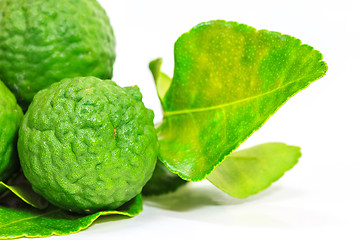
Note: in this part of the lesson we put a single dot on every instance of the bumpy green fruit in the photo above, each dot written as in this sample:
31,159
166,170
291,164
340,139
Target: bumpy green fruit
44,41
88,145
10,117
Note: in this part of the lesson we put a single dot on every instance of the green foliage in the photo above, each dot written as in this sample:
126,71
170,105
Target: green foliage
229,79
162,81
247,172
18,220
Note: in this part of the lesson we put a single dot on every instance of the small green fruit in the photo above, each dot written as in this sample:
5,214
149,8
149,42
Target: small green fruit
10,117
44,41
88,145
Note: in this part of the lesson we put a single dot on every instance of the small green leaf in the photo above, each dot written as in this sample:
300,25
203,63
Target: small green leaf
251,170
21,187
26,194
162,181
229,79
162,81
23,221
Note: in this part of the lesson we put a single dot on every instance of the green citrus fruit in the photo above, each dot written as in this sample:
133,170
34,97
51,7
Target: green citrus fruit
10,116
44,41
87,144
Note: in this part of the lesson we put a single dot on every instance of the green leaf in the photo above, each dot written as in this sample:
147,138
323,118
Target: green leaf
26,194
251,170
162,181
229,79
162,81
22,189
18,220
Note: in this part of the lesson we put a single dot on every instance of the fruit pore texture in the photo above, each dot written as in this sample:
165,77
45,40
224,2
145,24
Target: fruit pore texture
44,41
88,145
10,117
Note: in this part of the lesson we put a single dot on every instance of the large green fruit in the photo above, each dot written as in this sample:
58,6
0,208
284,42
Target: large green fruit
87,144
44,41
10,117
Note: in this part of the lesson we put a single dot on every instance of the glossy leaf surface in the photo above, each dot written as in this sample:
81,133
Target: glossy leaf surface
247,172
19,220
228,80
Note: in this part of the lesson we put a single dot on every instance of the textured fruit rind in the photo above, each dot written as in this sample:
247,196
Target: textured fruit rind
42,42
10,117
88,145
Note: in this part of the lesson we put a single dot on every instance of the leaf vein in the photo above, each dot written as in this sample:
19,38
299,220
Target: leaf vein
186,111
24,219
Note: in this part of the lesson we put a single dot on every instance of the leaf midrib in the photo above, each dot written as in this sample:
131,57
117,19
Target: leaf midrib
33,217
187,111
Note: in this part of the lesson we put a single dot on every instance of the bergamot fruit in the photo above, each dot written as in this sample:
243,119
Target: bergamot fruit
44,41
10,117
88,145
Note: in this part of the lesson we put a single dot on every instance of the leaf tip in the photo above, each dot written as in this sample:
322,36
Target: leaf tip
155,66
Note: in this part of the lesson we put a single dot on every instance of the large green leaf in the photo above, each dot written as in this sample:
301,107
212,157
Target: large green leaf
229,79
19,220
251,170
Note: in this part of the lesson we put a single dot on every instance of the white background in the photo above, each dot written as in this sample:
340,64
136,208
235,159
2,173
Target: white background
319,198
